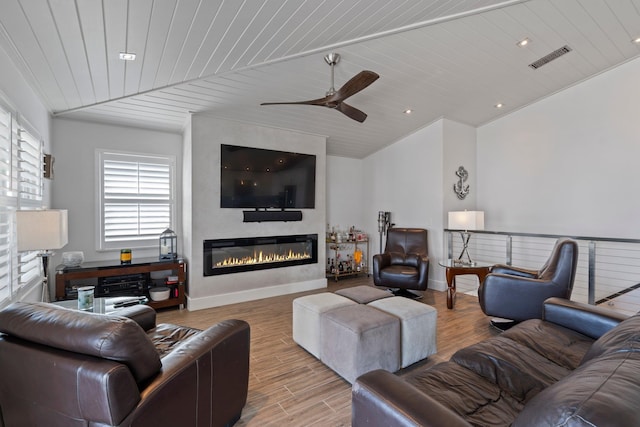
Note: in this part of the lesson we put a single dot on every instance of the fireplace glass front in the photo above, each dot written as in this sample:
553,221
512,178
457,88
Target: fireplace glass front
224,256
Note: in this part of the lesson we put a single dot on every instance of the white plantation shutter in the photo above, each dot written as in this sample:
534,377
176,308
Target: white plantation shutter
30,190
137,199
8,182
21,187
8,259
8,203
30,154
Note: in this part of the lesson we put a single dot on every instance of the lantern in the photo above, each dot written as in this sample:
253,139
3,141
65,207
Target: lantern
168,245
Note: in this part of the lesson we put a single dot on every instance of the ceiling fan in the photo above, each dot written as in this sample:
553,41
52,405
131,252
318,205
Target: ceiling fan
335,98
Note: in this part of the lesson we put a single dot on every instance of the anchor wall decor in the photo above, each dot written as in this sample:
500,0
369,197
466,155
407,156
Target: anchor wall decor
460,188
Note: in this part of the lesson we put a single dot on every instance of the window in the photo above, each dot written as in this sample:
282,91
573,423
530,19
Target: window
21,187
136,199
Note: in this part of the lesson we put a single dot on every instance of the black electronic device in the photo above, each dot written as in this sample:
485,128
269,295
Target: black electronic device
265,216
259,178
126,285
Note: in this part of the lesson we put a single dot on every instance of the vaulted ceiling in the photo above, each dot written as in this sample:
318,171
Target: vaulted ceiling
441,58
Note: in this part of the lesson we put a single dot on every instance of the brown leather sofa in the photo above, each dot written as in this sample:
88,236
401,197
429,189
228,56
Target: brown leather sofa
578,366
404,264
61,367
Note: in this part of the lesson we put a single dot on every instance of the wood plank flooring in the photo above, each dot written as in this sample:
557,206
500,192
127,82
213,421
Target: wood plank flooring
290,387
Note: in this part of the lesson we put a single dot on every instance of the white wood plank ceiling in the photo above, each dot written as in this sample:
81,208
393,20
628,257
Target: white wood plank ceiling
442,58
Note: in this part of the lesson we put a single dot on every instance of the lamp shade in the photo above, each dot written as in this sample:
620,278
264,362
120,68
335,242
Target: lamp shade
42,230
466,220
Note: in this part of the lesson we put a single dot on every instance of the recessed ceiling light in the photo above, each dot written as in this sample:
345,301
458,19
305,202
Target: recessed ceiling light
499,105
408,111
126,56
636,40
523,42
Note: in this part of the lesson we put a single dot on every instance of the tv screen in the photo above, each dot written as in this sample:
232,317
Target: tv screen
259,178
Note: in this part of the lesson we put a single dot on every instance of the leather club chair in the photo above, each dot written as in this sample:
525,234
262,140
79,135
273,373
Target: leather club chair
404,265
61,367
518,294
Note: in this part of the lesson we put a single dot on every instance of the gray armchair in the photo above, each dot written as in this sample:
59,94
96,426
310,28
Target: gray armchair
404,264
517,293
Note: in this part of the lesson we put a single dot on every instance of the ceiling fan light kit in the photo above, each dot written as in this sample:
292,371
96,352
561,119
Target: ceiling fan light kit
335,99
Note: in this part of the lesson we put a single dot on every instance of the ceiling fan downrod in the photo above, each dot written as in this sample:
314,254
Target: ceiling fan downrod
332,59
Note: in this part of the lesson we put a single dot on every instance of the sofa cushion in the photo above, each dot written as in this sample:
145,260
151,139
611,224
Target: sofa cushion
166,336
624,337
602,392
561,345
477,400
109,337
513,367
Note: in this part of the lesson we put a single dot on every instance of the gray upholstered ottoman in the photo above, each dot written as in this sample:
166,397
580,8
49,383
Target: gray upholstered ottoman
357,338
418,327
307,312
364,294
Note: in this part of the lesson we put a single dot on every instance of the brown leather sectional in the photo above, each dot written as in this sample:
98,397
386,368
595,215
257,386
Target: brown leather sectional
62,367
578,366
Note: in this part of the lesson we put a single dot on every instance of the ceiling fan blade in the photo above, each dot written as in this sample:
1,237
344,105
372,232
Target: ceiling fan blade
354,85
351,112
320,101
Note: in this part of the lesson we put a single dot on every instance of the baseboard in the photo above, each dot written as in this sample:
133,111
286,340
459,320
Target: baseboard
254,294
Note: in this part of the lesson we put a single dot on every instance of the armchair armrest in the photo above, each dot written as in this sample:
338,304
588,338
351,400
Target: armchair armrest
514,297
217,361
423,268
514,271
380,398
587,319
143,315
380,261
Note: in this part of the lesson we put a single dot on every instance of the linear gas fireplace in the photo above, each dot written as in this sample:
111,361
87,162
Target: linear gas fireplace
224,256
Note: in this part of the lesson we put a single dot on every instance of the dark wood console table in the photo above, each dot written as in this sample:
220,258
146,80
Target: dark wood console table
89,272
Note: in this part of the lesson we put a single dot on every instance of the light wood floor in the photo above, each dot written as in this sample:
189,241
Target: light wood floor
290,387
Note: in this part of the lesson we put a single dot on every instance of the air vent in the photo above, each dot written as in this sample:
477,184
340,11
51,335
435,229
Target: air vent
550,57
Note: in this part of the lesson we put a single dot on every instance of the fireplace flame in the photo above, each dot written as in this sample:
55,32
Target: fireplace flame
262,258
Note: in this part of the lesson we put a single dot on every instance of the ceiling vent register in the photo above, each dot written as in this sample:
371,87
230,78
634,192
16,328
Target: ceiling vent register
550,57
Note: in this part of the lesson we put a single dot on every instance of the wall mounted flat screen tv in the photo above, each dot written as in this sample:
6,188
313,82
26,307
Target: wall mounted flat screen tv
259,178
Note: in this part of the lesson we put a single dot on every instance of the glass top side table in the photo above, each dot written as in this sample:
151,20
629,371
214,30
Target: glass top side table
455,268
104,305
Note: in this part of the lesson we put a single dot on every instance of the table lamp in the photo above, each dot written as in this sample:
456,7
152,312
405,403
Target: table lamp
466,221
43,231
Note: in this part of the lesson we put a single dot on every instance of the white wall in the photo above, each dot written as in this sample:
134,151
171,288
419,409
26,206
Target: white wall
74,186
567,164
459,142
209,221
345,192
18,92
406,179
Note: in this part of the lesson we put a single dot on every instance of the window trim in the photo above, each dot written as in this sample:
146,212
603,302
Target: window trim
107,154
